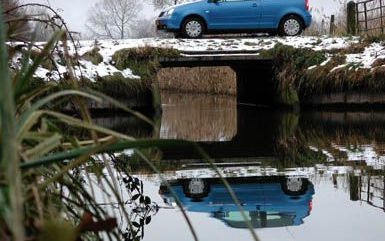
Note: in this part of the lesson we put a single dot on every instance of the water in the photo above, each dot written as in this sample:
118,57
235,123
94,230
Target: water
315,175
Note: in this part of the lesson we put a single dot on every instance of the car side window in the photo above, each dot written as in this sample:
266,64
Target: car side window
222,1
237,0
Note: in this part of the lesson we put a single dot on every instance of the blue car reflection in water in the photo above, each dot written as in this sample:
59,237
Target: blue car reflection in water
267,201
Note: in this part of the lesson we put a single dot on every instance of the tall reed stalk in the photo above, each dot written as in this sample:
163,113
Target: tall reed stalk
9,146
33,176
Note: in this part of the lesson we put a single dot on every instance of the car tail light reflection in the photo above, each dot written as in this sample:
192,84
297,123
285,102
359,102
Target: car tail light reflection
310,206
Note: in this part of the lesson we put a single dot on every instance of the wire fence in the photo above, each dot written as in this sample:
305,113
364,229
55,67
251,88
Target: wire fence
370,17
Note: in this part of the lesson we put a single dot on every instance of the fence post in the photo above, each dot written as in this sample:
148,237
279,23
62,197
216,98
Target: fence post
366,17
368,194
382,15
332,20
352,18
383,194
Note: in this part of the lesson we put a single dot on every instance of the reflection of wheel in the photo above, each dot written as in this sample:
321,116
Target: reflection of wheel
294,186
196,188
291,26
193,28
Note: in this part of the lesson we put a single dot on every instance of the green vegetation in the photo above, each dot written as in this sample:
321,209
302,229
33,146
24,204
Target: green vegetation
290,64
302,73
117,86
143,62
93,56
46,189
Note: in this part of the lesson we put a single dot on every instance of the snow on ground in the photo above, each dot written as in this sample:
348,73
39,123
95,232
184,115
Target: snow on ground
108,47
258,171
366,59
217,46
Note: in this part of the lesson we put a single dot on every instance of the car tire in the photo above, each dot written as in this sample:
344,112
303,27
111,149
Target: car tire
193,28
294,186
196,188
291,26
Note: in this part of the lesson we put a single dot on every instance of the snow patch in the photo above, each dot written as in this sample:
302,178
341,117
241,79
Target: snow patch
219,46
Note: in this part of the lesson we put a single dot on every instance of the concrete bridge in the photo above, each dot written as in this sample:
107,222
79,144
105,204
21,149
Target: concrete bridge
254,73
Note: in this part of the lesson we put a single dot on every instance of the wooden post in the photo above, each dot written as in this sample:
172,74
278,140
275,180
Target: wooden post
360,187
383,192
352,18
368,193
358,19
382,15
354,187
332,20
366,17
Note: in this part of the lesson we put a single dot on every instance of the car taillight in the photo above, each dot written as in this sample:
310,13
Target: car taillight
307,5
310,206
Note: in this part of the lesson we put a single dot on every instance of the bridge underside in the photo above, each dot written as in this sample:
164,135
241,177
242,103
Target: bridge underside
254,73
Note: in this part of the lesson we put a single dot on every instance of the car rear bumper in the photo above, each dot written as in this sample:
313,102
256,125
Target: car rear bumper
308,20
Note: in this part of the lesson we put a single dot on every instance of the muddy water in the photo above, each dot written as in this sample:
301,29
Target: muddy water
315,175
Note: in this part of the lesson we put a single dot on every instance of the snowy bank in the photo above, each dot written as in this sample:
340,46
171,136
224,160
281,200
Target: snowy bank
107,48
303,66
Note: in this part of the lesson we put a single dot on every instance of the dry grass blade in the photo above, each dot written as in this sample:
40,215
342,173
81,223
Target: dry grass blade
43,147
24,122
27,75
85,125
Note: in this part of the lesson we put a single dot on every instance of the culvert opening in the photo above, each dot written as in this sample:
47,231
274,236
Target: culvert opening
207,80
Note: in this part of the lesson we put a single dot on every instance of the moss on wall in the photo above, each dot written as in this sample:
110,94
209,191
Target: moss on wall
302,73
93,56
117,86
143,62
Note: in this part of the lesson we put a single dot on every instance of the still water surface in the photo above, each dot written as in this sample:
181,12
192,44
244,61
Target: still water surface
299,176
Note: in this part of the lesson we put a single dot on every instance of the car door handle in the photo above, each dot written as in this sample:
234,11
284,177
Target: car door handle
254,5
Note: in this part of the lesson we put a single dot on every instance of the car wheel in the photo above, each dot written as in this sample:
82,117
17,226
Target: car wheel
193,28
291,26
294,186
196,188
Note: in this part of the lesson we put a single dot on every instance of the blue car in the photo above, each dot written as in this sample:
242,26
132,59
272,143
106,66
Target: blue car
268,201
192,20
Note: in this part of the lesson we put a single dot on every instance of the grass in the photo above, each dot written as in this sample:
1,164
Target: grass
143,61
11,194
93,56
45,191
295,80
118,86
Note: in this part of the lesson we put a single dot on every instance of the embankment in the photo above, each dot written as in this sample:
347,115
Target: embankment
307,71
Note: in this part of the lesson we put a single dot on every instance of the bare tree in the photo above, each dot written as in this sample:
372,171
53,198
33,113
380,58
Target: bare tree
113,18
144,28
41,28
15,26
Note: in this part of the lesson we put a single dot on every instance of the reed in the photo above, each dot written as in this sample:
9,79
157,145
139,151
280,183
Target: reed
46,189
208,80
295,80
193,112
